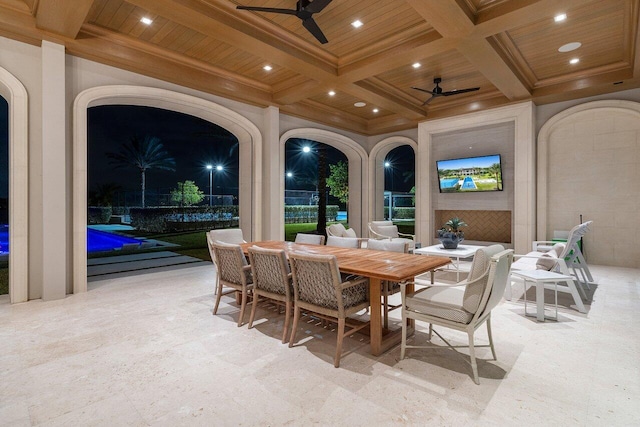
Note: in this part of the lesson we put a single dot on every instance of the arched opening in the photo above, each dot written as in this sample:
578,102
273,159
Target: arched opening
157,179
16,96
316,180
358,173
250,153
392,169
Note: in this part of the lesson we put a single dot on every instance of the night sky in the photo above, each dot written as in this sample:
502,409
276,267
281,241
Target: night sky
191,141
4,148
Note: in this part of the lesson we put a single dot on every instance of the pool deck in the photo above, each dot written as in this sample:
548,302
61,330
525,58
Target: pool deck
130,264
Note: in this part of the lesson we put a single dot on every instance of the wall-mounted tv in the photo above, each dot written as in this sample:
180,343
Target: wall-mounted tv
471,174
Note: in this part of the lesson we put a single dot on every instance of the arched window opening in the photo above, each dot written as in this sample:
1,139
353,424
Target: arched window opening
4,196
156,180
399,187
316,179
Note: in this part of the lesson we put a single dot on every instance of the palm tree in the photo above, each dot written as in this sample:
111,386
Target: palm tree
146,154
495,170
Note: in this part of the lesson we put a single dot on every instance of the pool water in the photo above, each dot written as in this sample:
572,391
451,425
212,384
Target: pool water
469,184
97,241
448,182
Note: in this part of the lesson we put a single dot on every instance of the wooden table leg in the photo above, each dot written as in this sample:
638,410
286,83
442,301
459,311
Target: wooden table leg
383,340
375,326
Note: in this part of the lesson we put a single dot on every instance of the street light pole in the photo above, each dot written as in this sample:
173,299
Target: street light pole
387,165
210,168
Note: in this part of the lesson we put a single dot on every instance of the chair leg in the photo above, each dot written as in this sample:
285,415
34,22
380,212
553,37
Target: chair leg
218,296
243,305
336,359
287,318
507,289
256,298
571,284
472,355
430,331
296,317
493,350
403,344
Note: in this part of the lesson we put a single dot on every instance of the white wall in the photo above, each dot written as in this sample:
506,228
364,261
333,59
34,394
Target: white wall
589,167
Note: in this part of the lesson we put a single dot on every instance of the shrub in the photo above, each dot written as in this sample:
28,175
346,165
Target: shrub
98,214
294,214
161,219
404,213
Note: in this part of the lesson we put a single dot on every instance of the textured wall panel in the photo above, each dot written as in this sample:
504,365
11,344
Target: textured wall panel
483,225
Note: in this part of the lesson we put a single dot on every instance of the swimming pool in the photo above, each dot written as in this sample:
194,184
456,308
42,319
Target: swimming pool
469,184
97,241
448,182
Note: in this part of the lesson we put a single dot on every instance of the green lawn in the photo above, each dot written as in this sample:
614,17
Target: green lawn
4,278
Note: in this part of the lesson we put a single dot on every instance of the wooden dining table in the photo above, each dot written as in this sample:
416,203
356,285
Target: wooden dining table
377,266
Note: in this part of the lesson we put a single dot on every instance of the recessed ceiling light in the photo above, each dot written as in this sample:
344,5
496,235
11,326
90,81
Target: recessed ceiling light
375,110
574,61
569,47
146,21
357,23
267,68
331,93
561,17
416,65
360,104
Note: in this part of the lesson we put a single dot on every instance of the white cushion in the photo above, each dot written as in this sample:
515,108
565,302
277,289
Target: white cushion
349,232
338,230
547,261
388,230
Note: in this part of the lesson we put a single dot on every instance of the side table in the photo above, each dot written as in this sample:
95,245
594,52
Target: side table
539,278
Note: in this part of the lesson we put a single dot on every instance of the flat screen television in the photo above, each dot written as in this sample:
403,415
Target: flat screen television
470,174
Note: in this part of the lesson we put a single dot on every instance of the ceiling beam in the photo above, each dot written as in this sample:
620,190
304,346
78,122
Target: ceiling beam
452,22
62,17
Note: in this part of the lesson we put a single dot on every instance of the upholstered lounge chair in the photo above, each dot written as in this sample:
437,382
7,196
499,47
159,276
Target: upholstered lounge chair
463,306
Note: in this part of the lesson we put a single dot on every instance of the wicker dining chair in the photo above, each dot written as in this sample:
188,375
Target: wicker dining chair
344,242
388,288
317,288
226,235
312,239
233,272
271,280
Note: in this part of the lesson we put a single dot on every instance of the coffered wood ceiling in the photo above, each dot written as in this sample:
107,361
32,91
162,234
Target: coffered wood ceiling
508,48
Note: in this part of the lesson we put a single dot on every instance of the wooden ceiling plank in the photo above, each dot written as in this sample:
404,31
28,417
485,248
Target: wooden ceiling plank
373,66
62,17
373,95
518,13
123,42
214,23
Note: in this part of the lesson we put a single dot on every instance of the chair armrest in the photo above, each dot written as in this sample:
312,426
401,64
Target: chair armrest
412,236
357,280
246,268
536,243
436,284
378,236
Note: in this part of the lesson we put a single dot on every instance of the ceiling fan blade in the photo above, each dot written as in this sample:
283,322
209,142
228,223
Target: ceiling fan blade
457,92
317,5
428,100
268,9
422,90
313,28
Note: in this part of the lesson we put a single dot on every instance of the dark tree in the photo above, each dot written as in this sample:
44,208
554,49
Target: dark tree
143,155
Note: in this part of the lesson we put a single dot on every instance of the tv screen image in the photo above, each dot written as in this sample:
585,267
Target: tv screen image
470,174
